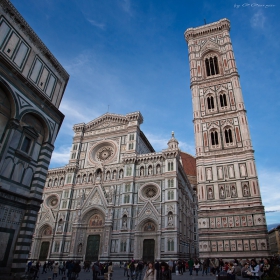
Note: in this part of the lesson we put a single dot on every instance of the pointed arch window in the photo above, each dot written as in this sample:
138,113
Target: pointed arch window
170,195
228,135
223,100
214,138
170,183
170,245
210,102
212,66
170,166
126,199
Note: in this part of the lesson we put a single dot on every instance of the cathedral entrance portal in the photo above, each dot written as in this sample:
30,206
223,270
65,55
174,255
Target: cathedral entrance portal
148,250
92,248
44,250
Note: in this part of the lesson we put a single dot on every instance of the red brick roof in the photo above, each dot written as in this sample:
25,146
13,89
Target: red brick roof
189,163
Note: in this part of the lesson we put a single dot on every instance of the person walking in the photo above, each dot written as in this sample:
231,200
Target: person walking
55,270
190,263
196,267
164,272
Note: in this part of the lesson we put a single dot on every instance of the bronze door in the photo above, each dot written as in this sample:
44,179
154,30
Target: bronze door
44,250
92,248
149,250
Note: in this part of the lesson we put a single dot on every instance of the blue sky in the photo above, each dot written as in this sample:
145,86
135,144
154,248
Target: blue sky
132,55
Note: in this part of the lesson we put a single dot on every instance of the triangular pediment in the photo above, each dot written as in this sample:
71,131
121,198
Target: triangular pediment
209,46
95,197
47,217
105,121
148,212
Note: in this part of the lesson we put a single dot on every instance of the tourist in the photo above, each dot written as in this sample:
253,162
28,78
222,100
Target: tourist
196,267
164,272
151,273
265,268
55,270
254,269
231,271
190,263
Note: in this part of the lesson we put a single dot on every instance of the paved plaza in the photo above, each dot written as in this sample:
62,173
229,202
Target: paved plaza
119,274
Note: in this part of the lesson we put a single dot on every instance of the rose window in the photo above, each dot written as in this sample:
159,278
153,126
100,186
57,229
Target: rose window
105,153
52,201
150,192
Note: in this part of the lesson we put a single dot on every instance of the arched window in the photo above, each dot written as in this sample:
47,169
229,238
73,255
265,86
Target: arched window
228,135
126,199
170,245
223,100
210,102
214,138
170,183
170,166
170,195
212,66
141,171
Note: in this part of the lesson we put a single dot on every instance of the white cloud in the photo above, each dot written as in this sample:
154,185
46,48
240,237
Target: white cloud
159,143
258,19
96,24
269,184
126,5
60,156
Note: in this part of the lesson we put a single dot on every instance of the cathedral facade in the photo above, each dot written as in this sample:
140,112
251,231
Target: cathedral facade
117,198
231,215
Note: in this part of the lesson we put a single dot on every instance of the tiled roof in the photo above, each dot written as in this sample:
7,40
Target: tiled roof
189,163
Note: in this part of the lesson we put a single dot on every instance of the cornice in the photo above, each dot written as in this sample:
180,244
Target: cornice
29,32
207,29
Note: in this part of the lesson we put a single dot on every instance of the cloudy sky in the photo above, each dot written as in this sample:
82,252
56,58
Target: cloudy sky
132,56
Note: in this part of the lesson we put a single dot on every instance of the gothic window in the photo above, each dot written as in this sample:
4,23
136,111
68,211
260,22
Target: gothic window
223,100
126,199
64,204
123,246
56,247
211,65
228,135
170,195
214,138
170,245
170,183
128,171
210,102
73,156
170,166
130,146
127,188
75,147
131,137
66,193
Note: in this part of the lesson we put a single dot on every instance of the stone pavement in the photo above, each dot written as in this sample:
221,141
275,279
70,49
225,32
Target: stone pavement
118,275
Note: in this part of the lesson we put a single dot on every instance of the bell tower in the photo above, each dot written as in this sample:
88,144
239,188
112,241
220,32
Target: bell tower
231,218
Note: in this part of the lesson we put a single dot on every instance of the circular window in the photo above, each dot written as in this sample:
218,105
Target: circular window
149,191
103,152
52,201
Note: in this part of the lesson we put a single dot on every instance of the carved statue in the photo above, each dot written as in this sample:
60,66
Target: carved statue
210,193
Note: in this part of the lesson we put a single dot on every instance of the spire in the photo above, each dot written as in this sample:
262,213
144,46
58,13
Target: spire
173,143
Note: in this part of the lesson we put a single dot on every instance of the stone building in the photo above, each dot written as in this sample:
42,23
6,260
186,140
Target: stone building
117,198
231,215
274,240
32,83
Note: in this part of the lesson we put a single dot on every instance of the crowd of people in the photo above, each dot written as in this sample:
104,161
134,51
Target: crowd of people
139,270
